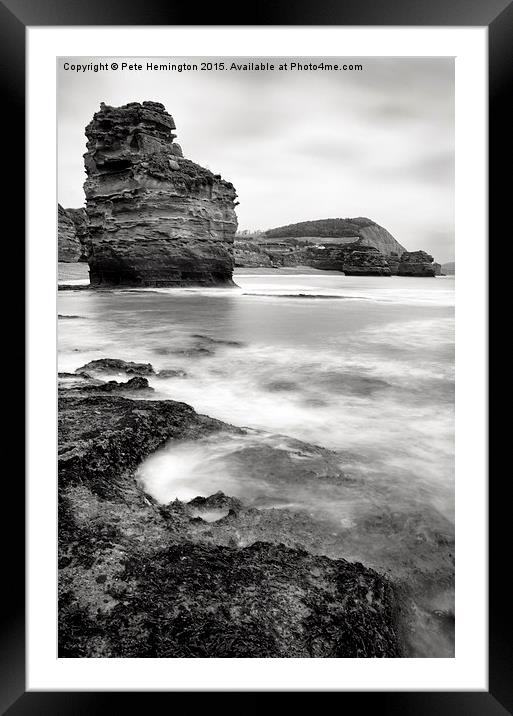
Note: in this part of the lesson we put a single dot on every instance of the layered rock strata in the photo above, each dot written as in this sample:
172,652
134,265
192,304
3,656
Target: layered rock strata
416,263
363,260
354,258
156,218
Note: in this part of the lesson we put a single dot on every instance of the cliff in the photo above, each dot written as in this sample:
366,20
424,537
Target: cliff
341,231
155,218
70,247
352,258
356,246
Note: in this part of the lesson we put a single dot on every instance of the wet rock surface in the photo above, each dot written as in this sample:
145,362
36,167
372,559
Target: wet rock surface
218,503
351,383
140,579
172,373
155,218
308,497
197,346
91,385
79,381
209,340
100,437
116,365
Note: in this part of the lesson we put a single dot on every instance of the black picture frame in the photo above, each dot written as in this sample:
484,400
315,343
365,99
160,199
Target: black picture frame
15,17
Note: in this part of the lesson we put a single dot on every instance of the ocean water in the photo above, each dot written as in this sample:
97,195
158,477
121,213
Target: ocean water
362,367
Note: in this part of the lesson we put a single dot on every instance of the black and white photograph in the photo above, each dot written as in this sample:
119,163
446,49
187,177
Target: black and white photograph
256,275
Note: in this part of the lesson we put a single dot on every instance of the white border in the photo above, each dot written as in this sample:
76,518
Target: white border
468,670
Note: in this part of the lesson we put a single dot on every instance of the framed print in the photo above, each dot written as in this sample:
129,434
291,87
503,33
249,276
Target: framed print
257,320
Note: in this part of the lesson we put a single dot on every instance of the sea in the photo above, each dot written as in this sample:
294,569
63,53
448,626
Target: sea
359,368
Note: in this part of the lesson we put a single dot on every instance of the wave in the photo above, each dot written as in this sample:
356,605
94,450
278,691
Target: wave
307,295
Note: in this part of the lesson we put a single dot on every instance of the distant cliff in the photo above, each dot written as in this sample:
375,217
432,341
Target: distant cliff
449,269
340,231
356,246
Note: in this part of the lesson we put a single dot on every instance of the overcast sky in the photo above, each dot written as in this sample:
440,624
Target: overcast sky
297,145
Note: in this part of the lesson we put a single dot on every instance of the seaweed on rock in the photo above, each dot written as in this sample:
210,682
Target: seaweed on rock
142,580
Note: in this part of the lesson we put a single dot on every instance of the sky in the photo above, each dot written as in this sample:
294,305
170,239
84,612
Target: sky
297,145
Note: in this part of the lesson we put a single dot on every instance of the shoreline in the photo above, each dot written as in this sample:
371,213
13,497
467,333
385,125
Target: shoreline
75,276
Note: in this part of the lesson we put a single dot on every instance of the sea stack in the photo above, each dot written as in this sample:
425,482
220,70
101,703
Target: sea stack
155,218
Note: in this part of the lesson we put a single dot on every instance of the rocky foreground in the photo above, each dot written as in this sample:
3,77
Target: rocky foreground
139,579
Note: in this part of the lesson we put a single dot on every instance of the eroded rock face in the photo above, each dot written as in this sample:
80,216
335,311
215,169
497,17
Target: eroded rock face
156,218
365,260
416,263
70,248
353,259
